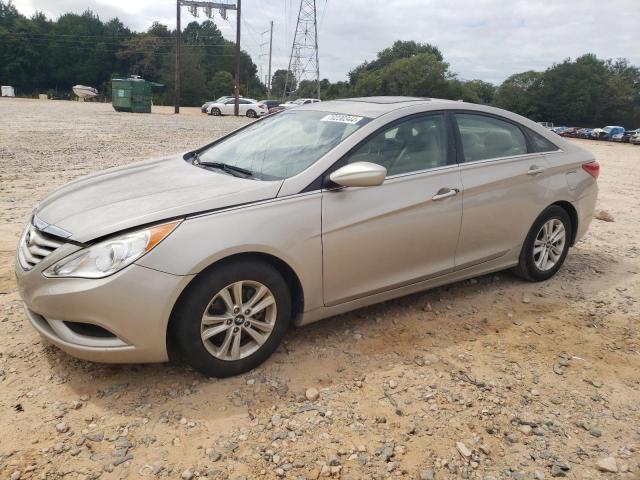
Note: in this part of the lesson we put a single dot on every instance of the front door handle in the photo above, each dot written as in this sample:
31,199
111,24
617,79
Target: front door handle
535,170
445,193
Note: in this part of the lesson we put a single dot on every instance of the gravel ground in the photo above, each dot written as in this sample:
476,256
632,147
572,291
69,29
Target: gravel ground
490,378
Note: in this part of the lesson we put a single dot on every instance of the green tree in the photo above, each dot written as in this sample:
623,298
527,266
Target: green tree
399,50
484,91
278,82
307,89
519,93
221,84
421,75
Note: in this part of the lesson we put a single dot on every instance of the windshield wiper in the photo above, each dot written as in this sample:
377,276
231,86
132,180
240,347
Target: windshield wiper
231,169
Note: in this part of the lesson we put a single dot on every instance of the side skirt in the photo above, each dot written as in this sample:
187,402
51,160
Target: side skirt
496,265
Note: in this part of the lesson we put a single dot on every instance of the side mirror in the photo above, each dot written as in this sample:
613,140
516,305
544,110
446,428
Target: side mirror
359,174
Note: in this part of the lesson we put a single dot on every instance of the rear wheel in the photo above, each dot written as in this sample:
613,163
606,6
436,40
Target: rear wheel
251,114
546,245
232,318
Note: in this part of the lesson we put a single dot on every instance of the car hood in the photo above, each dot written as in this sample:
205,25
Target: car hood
145,192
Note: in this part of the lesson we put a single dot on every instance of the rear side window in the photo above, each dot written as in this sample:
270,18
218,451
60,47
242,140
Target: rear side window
541,144
486,137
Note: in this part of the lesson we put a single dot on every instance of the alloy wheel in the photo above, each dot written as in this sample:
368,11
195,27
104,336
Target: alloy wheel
238,320
549,244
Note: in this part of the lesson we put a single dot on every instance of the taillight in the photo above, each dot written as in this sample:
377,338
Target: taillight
262,105
592,168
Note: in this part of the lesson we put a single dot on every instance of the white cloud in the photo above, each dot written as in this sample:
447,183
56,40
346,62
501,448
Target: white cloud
486,39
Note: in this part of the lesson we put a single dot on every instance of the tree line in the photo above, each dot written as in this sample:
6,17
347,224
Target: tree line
41,55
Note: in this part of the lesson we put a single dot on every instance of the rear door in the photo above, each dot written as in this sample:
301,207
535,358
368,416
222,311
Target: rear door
505,187
403,231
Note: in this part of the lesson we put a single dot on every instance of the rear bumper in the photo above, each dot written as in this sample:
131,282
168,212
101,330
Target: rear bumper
585,207
133,306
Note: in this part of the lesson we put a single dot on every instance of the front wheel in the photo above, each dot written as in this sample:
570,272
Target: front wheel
216,112
232,318
546,246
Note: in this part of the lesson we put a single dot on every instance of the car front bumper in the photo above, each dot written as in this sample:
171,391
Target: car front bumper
123,317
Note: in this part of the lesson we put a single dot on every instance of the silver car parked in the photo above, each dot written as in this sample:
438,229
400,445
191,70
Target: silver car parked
210,256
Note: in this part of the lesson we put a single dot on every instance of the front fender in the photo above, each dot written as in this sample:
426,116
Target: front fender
287,228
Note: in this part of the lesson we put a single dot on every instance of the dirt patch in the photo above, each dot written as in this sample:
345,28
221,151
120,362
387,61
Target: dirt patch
487,378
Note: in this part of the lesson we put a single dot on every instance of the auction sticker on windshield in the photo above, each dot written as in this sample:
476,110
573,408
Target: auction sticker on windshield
334,117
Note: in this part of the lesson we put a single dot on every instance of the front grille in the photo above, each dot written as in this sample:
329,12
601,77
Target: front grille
35,246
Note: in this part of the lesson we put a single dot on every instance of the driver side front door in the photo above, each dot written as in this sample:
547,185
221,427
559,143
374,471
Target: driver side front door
404,231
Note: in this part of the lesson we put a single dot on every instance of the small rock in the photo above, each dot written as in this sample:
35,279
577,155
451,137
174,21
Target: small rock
604,216
15,475
393,384
187,474
121,460
595,432
96,437
312,394
62,427
608,464
427,474
463,450
526,429
559,470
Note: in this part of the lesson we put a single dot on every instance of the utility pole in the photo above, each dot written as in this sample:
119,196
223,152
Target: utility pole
270,53
304,61
208,7
236,107
176,108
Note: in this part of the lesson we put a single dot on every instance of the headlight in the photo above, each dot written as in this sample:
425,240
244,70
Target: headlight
109,256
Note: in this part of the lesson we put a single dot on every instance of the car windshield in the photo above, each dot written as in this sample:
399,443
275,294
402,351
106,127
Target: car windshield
285,144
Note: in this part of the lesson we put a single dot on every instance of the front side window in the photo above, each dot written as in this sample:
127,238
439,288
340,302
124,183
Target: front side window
486,137
416,144
285,144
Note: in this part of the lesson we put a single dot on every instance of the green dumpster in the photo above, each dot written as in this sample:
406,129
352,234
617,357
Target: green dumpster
132,94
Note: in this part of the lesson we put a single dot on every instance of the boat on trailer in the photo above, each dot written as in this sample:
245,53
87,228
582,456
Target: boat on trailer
83,91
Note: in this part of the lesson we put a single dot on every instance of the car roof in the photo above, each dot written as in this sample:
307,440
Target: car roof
373,107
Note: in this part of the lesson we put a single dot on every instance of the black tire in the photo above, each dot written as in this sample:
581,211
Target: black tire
187,316
216,112
251,113
527,269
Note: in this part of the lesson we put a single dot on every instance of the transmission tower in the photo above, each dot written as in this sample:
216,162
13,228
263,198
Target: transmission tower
303,62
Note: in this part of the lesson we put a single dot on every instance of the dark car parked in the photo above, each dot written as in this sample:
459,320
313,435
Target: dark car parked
270,103
570,132
626,136
584,133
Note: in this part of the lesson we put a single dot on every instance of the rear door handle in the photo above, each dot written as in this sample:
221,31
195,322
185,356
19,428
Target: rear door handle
535,170
445,193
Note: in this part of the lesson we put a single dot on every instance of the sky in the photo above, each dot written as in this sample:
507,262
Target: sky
481,39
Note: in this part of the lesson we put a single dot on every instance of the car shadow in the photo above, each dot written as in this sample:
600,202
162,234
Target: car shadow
423,328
